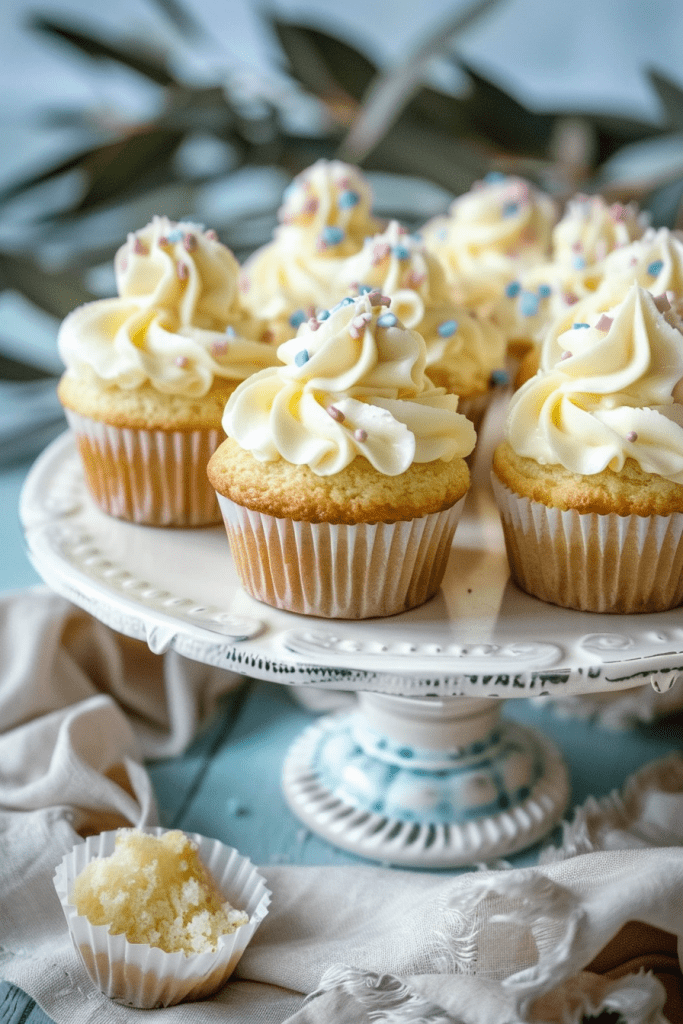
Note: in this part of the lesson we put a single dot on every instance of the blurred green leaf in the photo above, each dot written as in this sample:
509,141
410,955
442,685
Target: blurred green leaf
665,204
182,20
134,56
671,96
57,292
322,62
13,369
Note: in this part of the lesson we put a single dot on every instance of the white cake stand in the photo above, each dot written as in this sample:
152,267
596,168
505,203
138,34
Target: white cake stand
423,772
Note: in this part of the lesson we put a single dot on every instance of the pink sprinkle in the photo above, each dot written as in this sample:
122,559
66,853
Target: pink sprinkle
123,265
414,279
212,234
182,361
360,435
357,325
311,205
662,302
336,413
344,183
380,252
604,323
600,249
189,243
139,248
570,298
566,354
183,271
219,348
377,299
577,247
313,324
163,242
244,284
632,262
631,436
268,336
617,211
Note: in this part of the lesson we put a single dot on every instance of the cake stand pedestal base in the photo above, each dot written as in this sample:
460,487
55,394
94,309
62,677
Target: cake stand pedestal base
425,782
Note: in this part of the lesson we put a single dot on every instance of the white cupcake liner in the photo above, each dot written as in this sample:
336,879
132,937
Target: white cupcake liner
151,477
145,976
591,562
340,571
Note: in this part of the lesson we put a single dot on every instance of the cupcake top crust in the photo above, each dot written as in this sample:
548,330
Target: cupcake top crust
352,384
176,325
155,889
605,393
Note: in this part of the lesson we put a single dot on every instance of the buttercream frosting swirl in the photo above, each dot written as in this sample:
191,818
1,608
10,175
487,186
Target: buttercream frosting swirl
325,217
609,396
352,384
590,228
176,323
501,225
462,348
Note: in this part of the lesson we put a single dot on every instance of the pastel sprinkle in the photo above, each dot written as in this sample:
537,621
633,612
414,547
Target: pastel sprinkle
500,377
181,361
577,247
219,348
311,206
493,177
346,301
575,326
332,235
183,271
401,253
324,314
544,291
447,329
662,302
244,284
513,289
360,435
655,268
570,298
230,331
631,436
387,320
604,323
415,279
617,211
123,265
301,357
348,199
377,299
510,209
139,248
313,324
176,235
336,413
163,241
579,262
189,243
357,325
297,318
528,304
566,354
212,234
363,289
379,252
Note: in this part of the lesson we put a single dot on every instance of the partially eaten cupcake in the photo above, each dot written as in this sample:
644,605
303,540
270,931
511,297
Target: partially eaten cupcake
151,913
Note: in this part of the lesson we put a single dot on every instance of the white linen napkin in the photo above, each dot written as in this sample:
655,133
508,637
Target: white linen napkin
80,709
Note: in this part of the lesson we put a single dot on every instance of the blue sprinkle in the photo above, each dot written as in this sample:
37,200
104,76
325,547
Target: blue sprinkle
442,234
297,318
528,304
447,329
655,268
323,314
230,332
510,209
580,325
348,199
513,289
494,176
387,320
332,236
416,236
176,235
500,377
579,262
544,290
363,289
346,301
301,357
401,252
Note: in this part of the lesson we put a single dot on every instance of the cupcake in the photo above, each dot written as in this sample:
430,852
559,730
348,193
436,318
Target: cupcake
152,913
491,233
343,474
589,478
465,352
149,371
324,218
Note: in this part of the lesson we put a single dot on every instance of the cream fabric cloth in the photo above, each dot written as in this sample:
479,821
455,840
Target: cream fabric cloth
80,709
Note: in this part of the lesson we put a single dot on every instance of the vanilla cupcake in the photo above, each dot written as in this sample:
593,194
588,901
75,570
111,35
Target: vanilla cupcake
150,370
159,917
589,480
465,352
343,475
490,234
324,218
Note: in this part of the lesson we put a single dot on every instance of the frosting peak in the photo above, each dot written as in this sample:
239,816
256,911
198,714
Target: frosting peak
609,395
352,383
